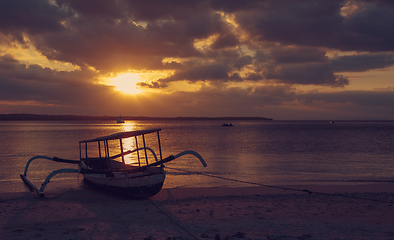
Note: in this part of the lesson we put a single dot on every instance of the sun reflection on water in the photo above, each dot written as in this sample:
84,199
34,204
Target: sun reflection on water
129,144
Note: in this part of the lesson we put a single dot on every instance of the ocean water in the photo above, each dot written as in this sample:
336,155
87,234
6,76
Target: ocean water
265,152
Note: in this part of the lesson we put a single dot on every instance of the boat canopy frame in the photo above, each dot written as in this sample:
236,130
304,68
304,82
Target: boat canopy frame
120,136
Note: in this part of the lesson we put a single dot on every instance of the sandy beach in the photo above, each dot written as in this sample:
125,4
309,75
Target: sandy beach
203,213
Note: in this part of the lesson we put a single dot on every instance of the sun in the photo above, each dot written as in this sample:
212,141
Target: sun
127,83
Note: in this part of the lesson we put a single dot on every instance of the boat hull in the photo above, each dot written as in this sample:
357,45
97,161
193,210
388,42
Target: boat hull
139,185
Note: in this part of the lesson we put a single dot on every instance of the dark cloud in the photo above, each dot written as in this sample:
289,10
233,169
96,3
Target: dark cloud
202,73
153,10
314,74
281,101
31,16
254,77
376,98
121,44
104,34
385,3
298,54
231,6
8,62
225,41
243,61
19,82
368,30
102,9
61,91
320,23
293,22
362,62
216,101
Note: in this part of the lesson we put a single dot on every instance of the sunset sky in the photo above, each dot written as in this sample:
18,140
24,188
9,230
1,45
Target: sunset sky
282,59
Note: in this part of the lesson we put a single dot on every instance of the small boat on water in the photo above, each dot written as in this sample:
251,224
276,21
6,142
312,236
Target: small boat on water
227,125
120,119
105,162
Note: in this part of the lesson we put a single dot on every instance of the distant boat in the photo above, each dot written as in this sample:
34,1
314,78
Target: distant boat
227,125
120,120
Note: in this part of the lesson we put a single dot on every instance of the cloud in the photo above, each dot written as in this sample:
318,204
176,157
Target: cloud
314,74
279,102
298,54
321,24
202,72
116,43
95,8
224,41
374,98
19,82
39,90
248,56
292,22
30,16
362,62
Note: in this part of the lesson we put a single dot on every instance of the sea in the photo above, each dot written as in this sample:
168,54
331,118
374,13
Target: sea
275,153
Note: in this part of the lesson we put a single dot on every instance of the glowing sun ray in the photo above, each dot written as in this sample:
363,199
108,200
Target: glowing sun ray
127,83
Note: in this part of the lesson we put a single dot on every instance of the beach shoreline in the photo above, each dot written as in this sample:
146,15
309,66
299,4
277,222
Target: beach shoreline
361,211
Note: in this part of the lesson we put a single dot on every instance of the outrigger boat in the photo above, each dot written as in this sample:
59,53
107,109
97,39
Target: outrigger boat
119,170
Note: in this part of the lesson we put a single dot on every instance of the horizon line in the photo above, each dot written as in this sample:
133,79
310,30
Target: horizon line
74,117
64,117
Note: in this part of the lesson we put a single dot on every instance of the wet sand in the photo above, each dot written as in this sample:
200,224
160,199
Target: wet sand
203,213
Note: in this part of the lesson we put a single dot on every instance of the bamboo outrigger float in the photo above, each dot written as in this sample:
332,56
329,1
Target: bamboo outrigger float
143,178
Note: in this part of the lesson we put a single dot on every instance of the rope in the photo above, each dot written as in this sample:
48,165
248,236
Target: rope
172,220
283,188
165,214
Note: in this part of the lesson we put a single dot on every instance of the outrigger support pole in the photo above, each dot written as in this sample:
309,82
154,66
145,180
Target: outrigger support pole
49,158
192,153
171,157
40,191
44,184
